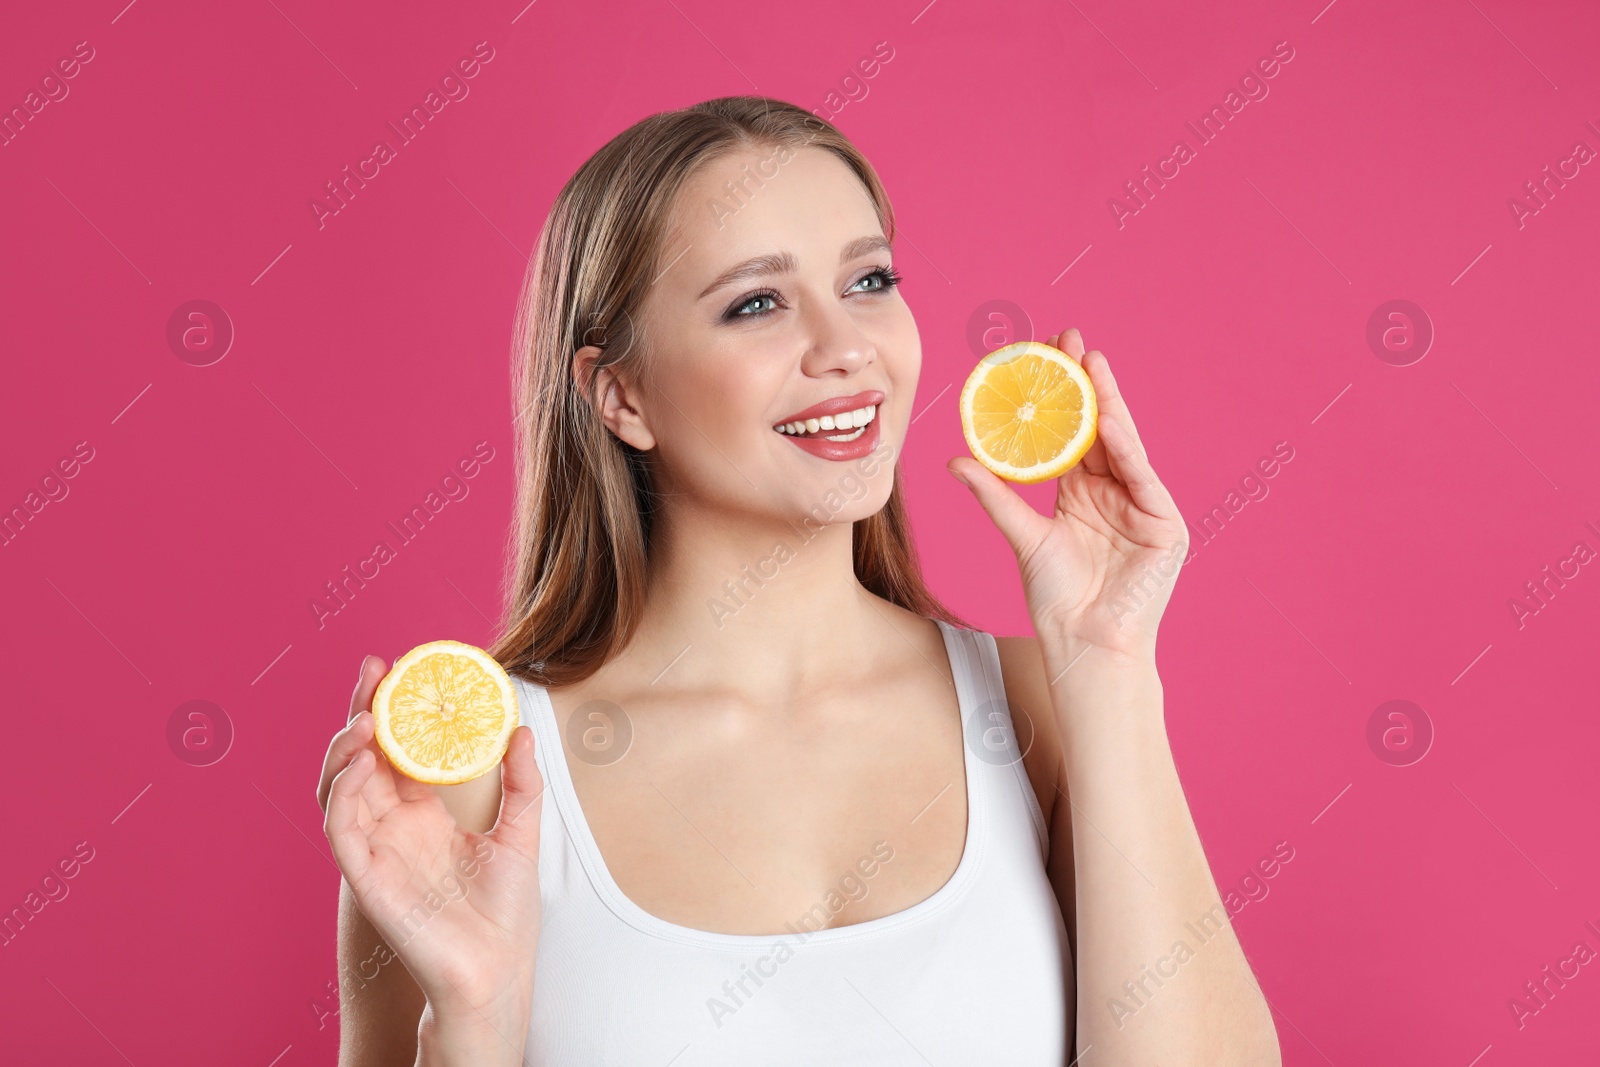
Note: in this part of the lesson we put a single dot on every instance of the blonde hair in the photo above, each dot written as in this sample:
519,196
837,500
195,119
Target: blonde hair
580,536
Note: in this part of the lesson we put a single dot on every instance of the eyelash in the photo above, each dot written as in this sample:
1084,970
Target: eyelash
890,276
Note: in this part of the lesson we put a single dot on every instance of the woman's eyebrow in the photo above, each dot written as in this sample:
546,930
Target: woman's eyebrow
786,263
862,246
771,263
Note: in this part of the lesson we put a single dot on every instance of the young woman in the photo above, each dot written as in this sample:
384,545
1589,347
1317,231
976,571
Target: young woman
771,803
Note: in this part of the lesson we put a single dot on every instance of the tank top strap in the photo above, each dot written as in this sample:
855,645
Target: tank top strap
989,728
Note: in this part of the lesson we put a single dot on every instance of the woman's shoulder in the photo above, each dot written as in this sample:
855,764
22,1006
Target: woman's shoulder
1028,697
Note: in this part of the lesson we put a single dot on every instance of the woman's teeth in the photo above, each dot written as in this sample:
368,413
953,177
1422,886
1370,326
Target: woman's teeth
854,423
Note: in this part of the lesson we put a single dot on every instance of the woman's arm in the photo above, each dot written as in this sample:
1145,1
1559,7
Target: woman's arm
1126,768
379,1003
1161,976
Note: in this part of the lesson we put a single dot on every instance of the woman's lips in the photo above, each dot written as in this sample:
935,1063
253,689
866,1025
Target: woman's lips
835,405
842,451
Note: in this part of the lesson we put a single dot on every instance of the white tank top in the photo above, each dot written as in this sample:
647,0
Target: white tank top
979,972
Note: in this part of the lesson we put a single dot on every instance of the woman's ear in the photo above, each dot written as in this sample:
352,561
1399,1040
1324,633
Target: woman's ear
611,398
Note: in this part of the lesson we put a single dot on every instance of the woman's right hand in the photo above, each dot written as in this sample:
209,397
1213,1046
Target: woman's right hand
460,909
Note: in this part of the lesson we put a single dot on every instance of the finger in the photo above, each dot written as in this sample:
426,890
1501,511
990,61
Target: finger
379,793
1072,343
1094,461
521,796
1108,395
383,791
367,678
1018,522
357,734
1131,467
342,824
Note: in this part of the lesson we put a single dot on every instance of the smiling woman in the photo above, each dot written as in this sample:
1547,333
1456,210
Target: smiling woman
683,783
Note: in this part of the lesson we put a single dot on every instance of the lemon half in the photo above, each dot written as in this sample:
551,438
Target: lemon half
1028,412
445,712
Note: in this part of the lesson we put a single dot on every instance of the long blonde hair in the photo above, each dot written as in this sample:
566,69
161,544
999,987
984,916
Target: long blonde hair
580,538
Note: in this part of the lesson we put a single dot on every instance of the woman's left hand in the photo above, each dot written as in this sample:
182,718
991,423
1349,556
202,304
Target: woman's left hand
1099,572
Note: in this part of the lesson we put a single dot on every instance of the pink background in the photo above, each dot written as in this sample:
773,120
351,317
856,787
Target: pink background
371,355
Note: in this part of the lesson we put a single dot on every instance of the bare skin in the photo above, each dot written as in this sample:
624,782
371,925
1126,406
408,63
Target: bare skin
825,717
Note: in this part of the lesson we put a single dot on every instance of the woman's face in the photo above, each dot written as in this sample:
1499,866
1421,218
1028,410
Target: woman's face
777,296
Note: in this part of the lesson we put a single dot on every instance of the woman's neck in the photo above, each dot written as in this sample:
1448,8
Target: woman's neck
750,604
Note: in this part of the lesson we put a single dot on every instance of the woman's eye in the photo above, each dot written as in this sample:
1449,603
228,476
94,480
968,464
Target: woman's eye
885,277
738,310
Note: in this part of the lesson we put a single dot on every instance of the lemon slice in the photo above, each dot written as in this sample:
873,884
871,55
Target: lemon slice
1028,412
445,712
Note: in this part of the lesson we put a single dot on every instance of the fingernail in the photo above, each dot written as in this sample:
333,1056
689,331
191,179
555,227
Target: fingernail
958,476
362,673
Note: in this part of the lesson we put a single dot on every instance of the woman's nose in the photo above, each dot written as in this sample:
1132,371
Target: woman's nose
837,343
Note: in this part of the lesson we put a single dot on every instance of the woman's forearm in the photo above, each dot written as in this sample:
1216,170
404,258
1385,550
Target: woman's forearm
1161,977
466,1036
